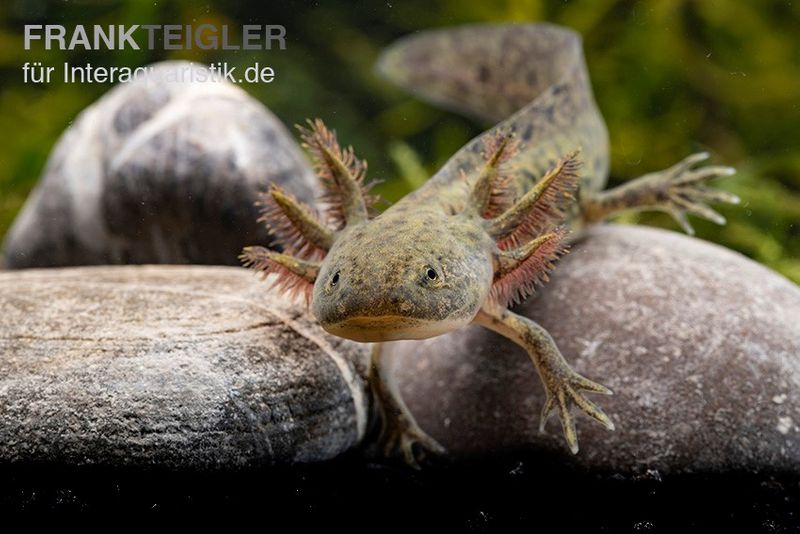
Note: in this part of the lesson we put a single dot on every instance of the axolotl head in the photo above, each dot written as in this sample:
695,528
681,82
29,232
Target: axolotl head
407,274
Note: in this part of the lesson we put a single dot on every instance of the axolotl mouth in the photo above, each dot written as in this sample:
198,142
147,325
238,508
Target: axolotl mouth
373,329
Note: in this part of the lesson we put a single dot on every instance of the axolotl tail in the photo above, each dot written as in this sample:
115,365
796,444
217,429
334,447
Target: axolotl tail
529,79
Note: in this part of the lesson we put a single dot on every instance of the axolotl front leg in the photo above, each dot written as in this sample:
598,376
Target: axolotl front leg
563,386
400,434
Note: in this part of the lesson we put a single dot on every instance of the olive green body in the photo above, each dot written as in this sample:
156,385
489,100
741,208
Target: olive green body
374,283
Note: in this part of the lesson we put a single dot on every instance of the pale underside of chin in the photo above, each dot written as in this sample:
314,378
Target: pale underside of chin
392,328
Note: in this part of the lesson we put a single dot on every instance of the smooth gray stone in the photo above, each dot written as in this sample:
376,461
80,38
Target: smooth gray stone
700,345
160,170
169,366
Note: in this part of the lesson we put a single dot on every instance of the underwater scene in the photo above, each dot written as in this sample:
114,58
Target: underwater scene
474,266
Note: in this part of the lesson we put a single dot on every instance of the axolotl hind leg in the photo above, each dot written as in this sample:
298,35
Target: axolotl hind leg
678,190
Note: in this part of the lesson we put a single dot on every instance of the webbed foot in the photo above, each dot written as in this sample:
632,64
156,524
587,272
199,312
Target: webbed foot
563,390
400,435
563,386
680,190
684,190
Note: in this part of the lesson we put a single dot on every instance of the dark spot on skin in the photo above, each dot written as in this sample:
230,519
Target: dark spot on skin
484,74
403,295
528,133
474,236
598,162
550,113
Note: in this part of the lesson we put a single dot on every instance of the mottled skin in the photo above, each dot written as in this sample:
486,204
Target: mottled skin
478,235
395,298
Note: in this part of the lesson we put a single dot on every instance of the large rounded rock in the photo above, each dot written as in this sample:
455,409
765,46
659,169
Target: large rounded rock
176,367
700,345
164,169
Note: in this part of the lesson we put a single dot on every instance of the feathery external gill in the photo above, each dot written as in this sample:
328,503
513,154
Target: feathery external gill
295,277
342,175
519,270
295,225
540,209
492,192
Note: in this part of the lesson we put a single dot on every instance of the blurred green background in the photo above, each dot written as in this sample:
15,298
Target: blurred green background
671,77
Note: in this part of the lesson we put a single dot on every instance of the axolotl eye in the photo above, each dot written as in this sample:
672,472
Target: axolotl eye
431,277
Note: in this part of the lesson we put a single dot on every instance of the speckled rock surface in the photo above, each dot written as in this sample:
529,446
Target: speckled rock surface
168,366
700,345
160,170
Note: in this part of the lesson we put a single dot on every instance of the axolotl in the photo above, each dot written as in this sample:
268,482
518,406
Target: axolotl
484,231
